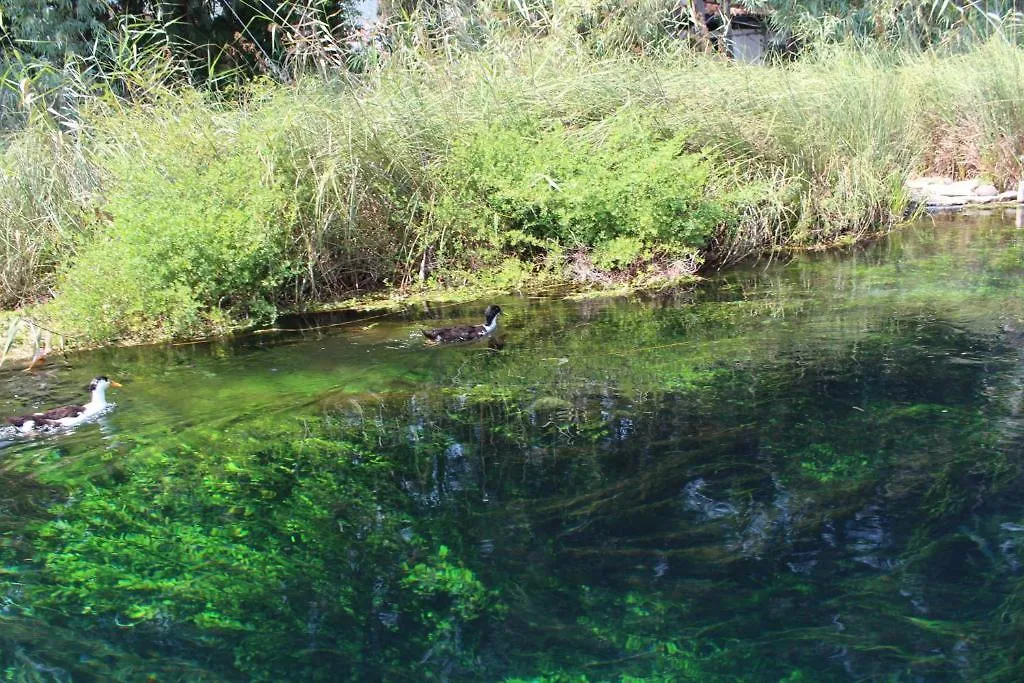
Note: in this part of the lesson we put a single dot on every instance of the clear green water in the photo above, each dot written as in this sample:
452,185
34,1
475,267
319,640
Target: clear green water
807,470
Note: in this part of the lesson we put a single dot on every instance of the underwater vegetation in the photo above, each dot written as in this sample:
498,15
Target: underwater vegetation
806,472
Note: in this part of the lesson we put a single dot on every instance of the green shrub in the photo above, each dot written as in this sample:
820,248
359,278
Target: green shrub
197,236
622,186
618,253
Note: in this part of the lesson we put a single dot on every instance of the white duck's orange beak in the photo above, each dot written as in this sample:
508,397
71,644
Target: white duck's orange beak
116,385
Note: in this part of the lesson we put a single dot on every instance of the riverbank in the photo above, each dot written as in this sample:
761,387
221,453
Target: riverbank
182,213
28,345
944,194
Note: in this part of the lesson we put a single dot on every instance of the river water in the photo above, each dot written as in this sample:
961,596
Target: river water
807,468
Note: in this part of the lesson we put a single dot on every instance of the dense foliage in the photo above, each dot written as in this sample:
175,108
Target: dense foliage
913,25
486,147
188,243
622,189
260,36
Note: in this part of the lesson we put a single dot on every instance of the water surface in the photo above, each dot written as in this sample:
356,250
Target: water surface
807,469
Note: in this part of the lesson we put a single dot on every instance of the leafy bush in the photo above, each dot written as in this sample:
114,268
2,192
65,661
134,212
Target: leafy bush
622,186
197,235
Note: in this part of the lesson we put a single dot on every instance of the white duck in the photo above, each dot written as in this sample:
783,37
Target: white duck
67,416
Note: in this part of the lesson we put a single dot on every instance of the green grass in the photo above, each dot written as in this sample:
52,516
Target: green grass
441,167
45,189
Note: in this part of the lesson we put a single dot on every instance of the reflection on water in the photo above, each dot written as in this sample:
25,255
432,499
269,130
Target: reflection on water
805,470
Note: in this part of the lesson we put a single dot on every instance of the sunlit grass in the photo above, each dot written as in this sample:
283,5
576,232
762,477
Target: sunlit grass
808,153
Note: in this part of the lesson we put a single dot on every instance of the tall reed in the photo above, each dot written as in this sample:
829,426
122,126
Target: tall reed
368,180
46,186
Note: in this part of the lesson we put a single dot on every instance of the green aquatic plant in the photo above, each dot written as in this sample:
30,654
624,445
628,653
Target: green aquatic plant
450,598
232,542
441,577
822,463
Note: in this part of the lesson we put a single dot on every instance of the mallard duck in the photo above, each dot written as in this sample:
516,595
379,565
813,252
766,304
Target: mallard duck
67,416
463,333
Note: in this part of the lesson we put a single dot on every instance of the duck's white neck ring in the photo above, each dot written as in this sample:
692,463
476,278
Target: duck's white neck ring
493,325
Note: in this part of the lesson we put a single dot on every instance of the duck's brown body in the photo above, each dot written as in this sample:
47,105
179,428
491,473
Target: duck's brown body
460,333
67,416
465,333
50,418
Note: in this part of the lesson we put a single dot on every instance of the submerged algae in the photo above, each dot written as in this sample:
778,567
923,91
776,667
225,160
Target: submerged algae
806,473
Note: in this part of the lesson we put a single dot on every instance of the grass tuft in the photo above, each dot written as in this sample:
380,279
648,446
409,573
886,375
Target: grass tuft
491,147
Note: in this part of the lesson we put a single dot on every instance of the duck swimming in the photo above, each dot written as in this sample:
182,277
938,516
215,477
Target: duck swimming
463,333
67,416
